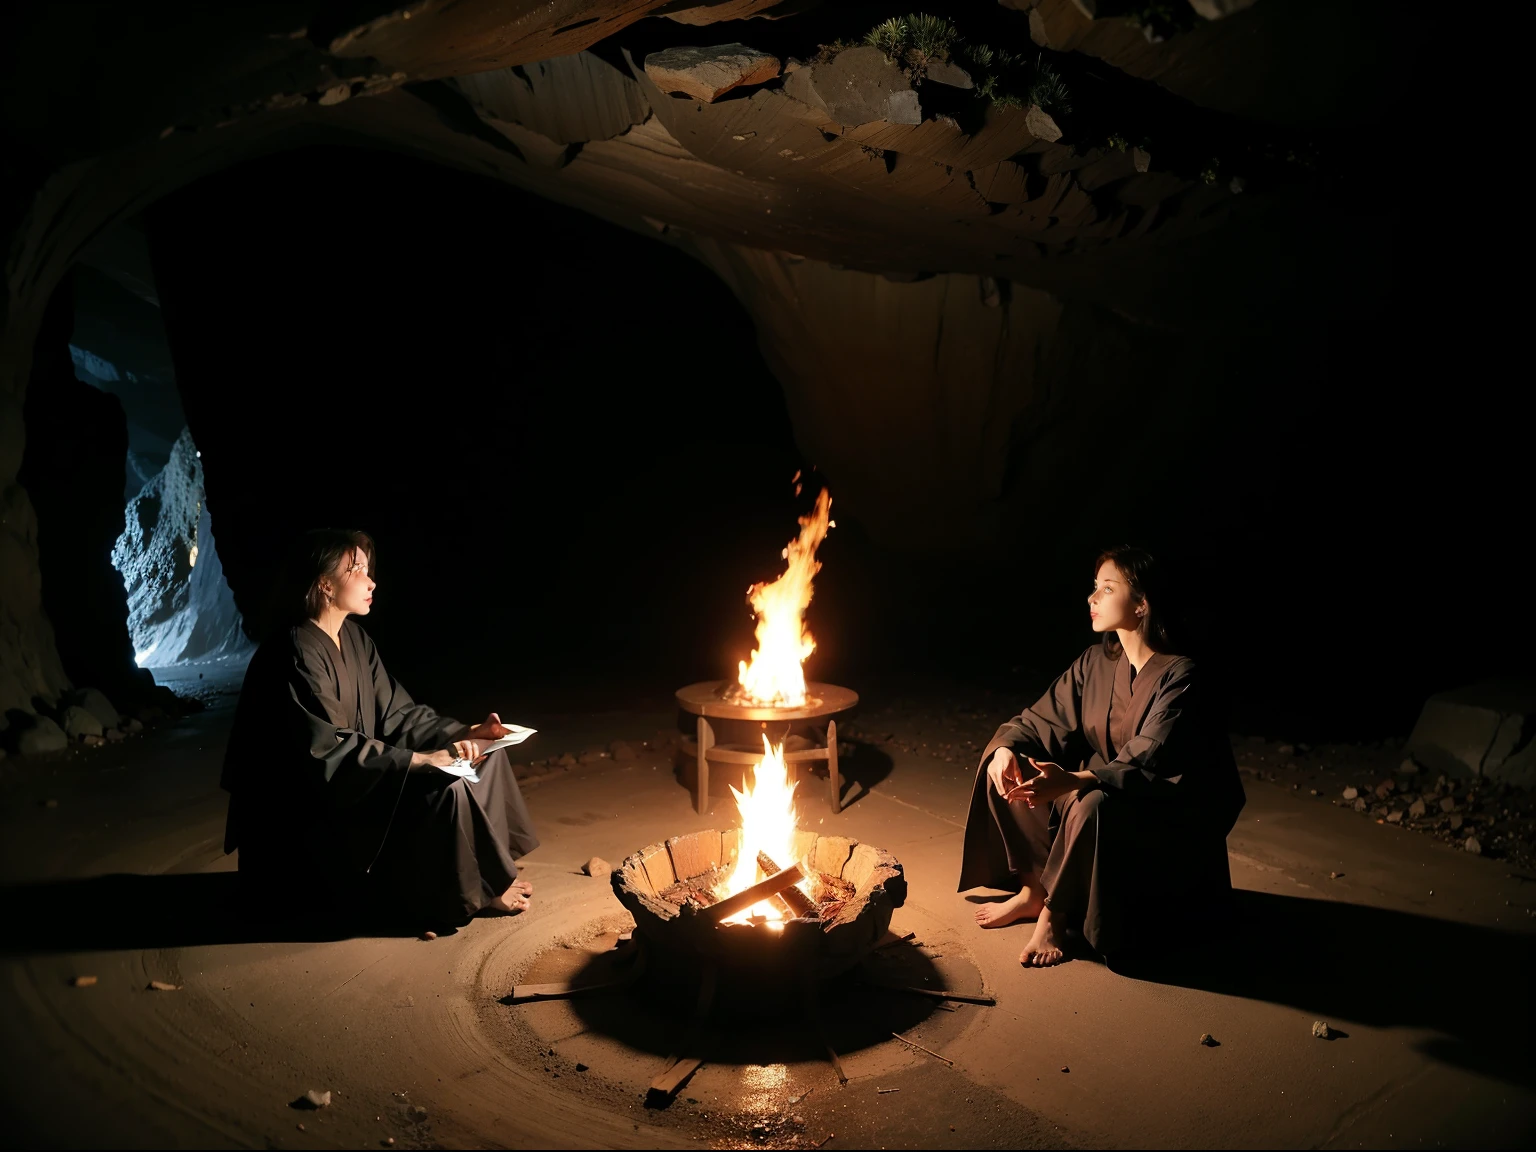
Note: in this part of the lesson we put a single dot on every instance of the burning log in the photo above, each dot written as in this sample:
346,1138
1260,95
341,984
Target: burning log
759,891
799,903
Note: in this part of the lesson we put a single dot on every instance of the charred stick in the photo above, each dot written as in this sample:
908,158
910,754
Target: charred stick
799,903
759,891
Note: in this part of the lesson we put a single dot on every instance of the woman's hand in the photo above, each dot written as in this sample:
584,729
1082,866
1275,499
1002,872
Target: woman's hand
490,729
443,757
1053,781
1003,771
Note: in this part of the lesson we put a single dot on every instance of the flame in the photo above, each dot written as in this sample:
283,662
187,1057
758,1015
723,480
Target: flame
767,810
774,675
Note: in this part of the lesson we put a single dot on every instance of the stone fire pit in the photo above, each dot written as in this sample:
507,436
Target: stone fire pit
668,888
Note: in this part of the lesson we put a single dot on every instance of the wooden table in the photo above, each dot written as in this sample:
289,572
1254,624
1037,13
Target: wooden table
705,701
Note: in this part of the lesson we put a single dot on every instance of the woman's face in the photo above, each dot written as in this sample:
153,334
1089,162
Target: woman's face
1111,605
350,586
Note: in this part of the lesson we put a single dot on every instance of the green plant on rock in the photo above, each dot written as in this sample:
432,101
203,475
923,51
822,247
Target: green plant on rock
1118,142
933,37
1048,91
1208,173
892,38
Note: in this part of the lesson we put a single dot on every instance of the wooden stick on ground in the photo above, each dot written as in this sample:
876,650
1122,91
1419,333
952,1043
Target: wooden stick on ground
799,903
937,993
664,1084
813,1014
920,1048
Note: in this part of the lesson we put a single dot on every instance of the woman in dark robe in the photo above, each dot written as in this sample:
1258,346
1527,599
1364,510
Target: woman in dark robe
1105,806
336,781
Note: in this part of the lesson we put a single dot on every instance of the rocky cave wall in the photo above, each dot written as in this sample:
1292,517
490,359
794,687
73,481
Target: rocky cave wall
1088,271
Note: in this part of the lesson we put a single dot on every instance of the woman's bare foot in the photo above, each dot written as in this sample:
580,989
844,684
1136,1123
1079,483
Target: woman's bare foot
521,886
1026,904
510,902
1045,946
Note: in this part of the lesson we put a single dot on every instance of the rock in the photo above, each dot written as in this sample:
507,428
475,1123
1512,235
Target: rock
1141,160
134,726
79,722
83,982
1286,750
1408,768
622,751
1456,823
1040,124
1447,804
113,735
96,703
1473,846
950,73
1479,730
93,741
597,867
581,1067
1361,805
1395,816
708,73
1351,792
429,935
162,986
1335,875
318,1099
43,736
1321,1030
857,86
1417,808
1209,1041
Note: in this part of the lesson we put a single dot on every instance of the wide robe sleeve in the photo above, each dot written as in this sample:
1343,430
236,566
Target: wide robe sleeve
350,763
1052,727
402,721
1180,749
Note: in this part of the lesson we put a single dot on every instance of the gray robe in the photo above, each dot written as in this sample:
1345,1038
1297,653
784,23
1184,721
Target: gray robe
322,799
1166,794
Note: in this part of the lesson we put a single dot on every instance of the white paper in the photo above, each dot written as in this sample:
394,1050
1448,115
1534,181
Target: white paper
516,734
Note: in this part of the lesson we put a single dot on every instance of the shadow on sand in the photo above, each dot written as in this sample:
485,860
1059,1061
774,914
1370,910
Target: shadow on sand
125,911
1351,962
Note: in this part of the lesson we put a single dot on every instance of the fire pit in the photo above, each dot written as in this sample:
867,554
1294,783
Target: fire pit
834,916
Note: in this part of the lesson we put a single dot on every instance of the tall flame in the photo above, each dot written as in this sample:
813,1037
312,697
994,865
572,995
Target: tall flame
767,810
774,675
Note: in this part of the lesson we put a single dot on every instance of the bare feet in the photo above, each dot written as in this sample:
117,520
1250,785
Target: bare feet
1026,904
1045,946
512,901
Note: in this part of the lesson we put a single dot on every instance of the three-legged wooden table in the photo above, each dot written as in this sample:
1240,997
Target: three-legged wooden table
823,702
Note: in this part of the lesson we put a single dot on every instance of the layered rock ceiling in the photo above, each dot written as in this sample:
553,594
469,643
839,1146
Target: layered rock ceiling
880,218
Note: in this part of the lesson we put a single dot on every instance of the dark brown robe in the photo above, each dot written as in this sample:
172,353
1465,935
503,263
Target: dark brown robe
1150,834
324,807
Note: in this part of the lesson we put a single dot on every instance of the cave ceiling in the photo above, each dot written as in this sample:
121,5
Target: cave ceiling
1169,138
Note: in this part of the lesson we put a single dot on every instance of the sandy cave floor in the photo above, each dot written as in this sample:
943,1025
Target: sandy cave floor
1416,951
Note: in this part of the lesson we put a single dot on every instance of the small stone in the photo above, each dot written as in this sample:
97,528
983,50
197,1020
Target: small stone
43,736
1351,792
1417,808
318,1099
1447,804
581,1067
1456,822
1395,816
708,73
948,72
1064,1068
93,741
1335,875
162,986
1361,805
1286,750
1208,1040
622,751
418,1113
113,735
134,726
1312,791
1040,124
1408,768
1321,1030
429,935
1473,846
83,982
597,868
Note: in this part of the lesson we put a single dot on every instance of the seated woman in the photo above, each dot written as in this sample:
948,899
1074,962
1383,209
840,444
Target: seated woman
333,771
1106,805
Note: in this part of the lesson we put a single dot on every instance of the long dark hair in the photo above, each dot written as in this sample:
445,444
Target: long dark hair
296,595
1147,581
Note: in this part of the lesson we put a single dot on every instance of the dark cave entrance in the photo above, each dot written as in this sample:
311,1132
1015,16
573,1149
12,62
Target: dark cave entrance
560,433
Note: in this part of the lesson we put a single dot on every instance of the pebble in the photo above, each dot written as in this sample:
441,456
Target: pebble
1447,805
1408,768
1417,808
597,867
1334,875
1351,793
1456,823
83,982
1321,1030
1473,846
1208,1040
162,986
1064,1068
318,1099
429,935
1395,816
